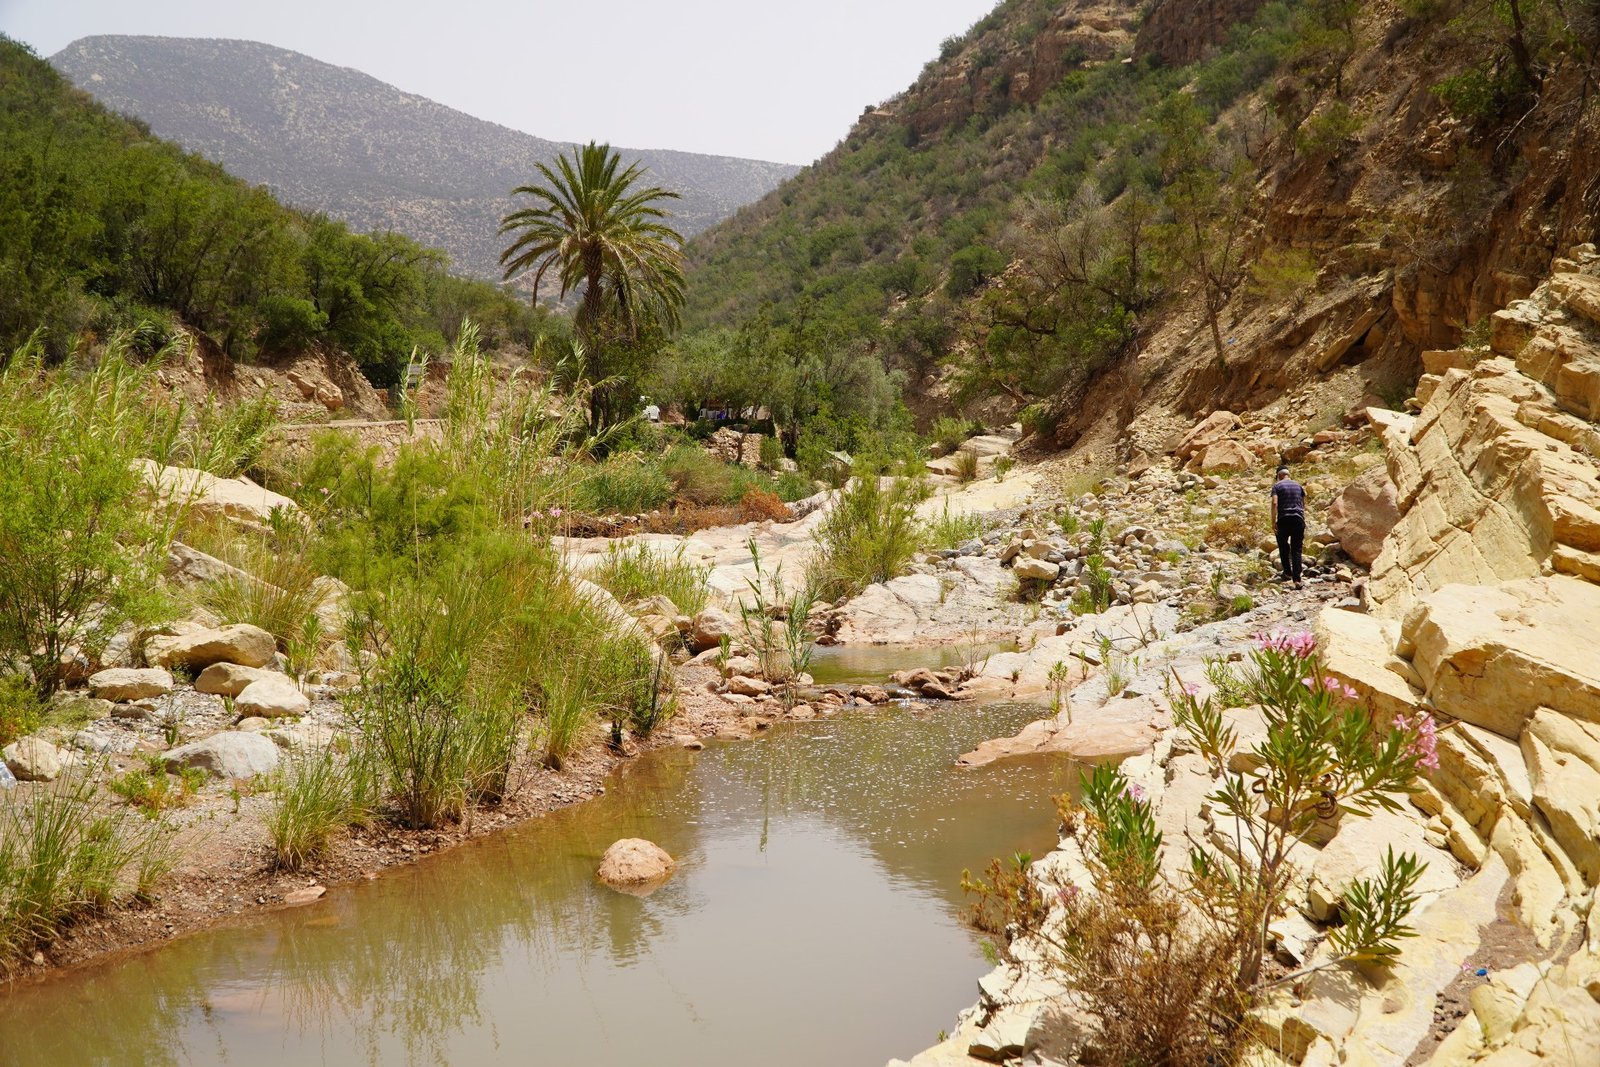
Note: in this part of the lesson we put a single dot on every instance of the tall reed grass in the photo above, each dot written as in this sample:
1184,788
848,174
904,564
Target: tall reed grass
636,572
63,855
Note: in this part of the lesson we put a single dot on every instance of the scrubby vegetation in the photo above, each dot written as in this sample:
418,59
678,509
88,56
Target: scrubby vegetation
1167,961
104,227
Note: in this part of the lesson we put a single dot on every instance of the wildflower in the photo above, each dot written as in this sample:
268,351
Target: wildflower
1189,689
1134,792
535,516
1300,643
1424,741
1067,894
555,513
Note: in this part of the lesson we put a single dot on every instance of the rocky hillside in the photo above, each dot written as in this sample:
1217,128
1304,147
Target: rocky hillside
332,139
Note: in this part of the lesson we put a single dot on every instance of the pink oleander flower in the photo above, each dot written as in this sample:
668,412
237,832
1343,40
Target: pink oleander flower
555,513
1300,643
1134,792
1189,689
1067,894
1349,692
1424,744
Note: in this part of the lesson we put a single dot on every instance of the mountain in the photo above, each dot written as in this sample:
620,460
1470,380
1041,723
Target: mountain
332,139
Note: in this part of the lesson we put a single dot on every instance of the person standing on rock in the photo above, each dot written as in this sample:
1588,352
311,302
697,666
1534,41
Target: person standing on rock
1289,523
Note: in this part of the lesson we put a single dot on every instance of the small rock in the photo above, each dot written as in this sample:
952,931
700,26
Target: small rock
228,679
75,707
296,897
1030,569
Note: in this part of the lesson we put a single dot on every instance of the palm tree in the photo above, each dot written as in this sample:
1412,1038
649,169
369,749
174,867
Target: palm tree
597,233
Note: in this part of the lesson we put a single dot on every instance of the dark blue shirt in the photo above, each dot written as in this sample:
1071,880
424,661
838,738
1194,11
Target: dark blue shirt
1291,498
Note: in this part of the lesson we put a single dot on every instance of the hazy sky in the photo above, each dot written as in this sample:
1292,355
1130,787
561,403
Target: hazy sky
759,78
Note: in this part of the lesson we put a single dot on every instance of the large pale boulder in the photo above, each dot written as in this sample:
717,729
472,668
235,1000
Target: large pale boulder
1493,655
130,683
1109,734
1207,432
1359,651
191,567
228,679
246,645
230,754
1362,516
236,499
272,696
635,865
33,759
1227,456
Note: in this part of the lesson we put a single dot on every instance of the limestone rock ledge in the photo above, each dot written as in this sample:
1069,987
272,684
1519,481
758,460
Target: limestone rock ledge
1485,612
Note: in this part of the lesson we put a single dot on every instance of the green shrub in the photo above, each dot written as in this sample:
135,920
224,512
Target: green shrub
79,548
438,737
792,485
1184,996
62,855
635,572
624,485
21,710
949,530
569,714
153,790
948,433
871,535
966,466
1329,131
223,438
698,477
771,452
278,589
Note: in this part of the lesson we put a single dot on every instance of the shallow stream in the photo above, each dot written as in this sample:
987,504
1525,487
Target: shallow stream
815,919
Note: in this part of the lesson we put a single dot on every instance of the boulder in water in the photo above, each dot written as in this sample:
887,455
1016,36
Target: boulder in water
634,865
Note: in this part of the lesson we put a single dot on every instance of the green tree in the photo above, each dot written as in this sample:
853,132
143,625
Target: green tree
599,232
1210,192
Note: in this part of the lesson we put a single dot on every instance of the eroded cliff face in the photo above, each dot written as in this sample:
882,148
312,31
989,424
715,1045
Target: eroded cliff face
1419,227
1017,61
1485,611
1178,32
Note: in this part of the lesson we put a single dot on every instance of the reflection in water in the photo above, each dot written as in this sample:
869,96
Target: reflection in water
857,664
814,917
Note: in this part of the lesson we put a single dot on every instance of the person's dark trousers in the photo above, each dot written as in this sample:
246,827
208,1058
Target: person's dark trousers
1291,535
